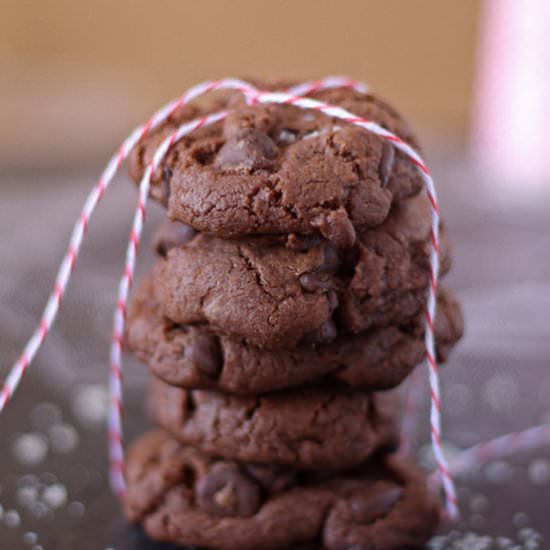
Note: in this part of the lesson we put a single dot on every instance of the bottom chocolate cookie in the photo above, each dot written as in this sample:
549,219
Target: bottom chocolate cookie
186,497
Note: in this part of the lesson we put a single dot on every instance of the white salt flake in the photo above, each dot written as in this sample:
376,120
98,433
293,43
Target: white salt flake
55,495
12,518
479,504
27,495
30,449
30,538
520,520
539,471
499,472
63,438
90,405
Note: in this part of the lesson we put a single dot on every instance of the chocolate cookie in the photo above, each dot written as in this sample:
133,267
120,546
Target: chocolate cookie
278,169
305,428
276,295
194,357
186,497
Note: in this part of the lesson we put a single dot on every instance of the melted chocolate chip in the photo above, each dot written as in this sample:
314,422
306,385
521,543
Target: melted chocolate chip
333,300
302,242
337,228
225,491
320,279
386,163
331,259
205,352
247,149
170,235
326,333
272,478
315,281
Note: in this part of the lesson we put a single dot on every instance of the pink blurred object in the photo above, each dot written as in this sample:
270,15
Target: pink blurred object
512,95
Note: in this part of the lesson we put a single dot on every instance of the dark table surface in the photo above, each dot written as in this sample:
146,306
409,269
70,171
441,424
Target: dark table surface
53,487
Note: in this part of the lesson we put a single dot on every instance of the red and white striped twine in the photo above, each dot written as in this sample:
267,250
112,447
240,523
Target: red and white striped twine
292,96
500,447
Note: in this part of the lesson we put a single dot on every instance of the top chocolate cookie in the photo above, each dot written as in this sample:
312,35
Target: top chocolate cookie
279,169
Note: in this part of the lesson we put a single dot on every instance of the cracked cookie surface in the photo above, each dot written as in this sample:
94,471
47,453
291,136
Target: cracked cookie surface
278,169
277,293
195,357
184,496
306,428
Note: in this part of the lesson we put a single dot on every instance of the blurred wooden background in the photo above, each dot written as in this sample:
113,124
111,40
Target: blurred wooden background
76,76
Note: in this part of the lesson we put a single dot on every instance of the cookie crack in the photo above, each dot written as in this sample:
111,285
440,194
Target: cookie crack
275,186
252,269
323,407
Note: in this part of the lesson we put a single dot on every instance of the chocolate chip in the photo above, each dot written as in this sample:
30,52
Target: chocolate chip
333,300
272,478
337,228
302,242
320,278
225,491
170,235
206,354
248,149
369,508
331,259
315,281
326,333
385,166
259,117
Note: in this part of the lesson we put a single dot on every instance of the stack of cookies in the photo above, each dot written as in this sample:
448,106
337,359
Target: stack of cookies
286,305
